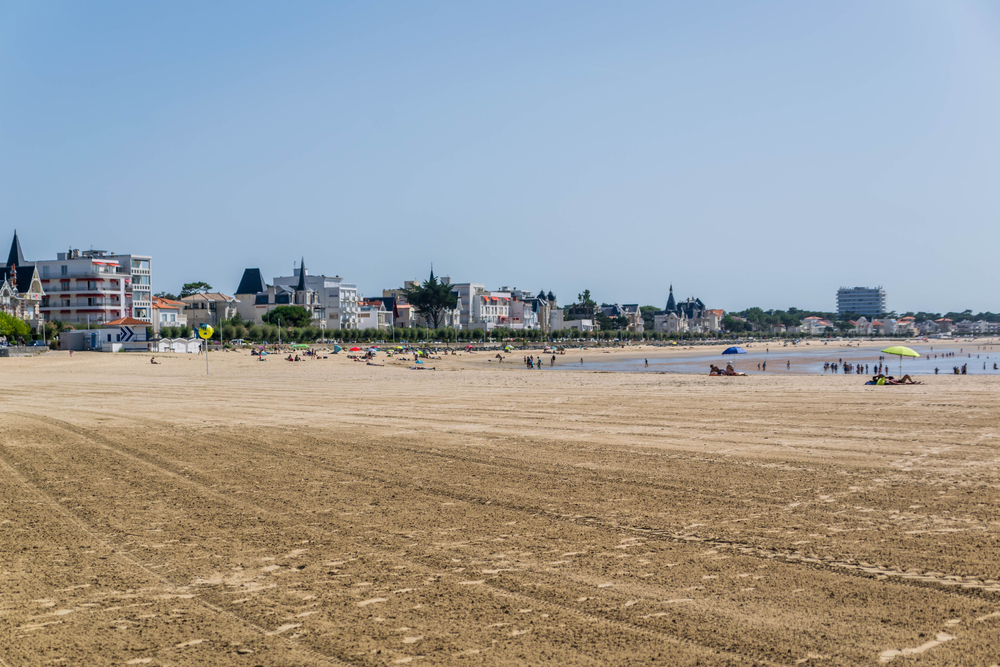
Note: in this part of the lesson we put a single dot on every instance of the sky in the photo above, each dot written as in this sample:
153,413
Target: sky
750,154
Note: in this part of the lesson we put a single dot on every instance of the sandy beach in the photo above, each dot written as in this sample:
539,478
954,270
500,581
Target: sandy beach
334,513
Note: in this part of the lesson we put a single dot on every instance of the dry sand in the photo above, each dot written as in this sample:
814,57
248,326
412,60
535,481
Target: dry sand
332,513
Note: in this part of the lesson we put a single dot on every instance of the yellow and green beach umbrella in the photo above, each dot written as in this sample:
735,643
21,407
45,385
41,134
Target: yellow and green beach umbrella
901,352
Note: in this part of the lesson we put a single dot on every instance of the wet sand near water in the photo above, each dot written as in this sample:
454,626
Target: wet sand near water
334,513
808,359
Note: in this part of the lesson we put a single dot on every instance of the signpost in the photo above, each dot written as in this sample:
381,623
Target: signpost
206,331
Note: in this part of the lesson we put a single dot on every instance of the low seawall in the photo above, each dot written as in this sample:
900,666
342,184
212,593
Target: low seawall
22,351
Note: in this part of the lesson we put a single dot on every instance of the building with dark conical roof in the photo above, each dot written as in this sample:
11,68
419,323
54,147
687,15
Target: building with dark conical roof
21,291
332,302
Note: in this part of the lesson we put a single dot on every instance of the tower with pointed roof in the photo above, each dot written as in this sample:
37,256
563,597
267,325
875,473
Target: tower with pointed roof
21,289
15,257
671,304
301,287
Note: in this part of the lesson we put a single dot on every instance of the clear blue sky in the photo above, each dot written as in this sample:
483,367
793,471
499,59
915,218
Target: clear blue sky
749,153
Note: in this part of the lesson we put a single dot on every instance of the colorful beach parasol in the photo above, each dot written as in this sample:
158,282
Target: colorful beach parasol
901,352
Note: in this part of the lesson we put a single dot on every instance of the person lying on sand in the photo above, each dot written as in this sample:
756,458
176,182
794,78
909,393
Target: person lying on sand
715,370
883,380
906,379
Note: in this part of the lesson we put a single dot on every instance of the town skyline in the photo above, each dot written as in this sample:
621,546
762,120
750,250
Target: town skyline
99,286
566,297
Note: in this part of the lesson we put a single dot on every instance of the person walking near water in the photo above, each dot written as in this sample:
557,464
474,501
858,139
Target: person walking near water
765,365
647,363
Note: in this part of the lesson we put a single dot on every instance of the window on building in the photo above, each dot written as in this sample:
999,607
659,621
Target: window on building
64,270
65,303
45,271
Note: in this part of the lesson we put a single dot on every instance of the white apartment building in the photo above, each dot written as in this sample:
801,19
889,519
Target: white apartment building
335,303
84,287
140,291
90,282
466,297
867,301
373,315
491,309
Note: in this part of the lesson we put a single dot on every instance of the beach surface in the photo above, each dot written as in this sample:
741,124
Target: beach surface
328,512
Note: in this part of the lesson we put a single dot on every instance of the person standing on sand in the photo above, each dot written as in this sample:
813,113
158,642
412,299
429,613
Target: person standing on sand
765,365
788,365
581,361
647,363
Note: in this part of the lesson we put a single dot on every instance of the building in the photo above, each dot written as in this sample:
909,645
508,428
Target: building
867,301
578,325
523,314
211,308
688,316
976,328
815,326
126,334
22,292
97,296
407,316
168,313
177,345
333,303
252,296
906,326
630,311
490,310
374,315
85,287
557,319
465,307
139,291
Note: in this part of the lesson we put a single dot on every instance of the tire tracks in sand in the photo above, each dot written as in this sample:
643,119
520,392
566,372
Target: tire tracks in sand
159,467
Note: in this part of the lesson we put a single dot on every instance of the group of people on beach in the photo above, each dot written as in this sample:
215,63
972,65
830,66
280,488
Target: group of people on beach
531,361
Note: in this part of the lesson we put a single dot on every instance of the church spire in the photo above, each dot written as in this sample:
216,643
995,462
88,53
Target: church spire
432,272
671,304
16,257
302,276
